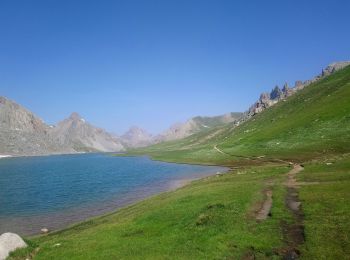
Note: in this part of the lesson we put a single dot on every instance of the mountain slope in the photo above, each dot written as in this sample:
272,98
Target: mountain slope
136,137
312,122
196,125
23,133
84,137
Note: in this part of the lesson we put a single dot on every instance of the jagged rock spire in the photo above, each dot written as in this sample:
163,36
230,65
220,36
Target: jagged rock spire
285,87
75,116
276,93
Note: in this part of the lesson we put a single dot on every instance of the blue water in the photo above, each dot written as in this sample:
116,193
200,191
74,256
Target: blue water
54,191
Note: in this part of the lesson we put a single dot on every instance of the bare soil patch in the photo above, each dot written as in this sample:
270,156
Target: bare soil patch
293,232
265,209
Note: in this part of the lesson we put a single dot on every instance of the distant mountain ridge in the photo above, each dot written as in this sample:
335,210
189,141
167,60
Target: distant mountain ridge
136,137
75,132
195,125
23,133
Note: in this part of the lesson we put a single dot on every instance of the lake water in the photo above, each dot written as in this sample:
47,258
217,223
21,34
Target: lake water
56,191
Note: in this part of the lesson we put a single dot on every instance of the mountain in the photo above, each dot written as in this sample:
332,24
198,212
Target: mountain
195,125
269,99
136,137
311,122
23,133
75,132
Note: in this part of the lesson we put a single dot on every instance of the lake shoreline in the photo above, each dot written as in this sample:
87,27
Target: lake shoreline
60,219
5,156
174,186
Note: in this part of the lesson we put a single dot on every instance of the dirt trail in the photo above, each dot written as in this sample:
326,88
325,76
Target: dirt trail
265,209
233,155
293,232
251,158
217,149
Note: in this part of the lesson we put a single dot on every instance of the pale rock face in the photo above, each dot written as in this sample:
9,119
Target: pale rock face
287,91
10,242
23,133
75,132
136,137
195,125
177,131
15,117
333,67
298,85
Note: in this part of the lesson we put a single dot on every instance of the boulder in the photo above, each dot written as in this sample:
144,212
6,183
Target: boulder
44,230
10,242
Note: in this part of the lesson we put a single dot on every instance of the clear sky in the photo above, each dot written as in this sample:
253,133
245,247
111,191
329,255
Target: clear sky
153,63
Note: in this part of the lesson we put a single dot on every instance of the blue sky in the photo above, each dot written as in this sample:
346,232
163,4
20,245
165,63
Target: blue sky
153,63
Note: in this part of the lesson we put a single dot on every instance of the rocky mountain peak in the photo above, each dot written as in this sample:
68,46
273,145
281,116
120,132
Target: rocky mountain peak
136,137
75,116
82,136
136,130
23,133
18,118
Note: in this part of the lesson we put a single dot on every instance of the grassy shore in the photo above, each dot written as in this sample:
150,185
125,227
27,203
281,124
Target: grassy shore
211,217
215,218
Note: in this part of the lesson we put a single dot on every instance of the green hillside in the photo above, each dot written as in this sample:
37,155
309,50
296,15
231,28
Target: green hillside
312,123
214,121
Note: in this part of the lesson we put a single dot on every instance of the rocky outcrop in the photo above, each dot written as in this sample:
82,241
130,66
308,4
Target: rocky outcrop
263,102
23,133
75,132
177,131
267,100
333,67
276,93
9,242
136,137
287,91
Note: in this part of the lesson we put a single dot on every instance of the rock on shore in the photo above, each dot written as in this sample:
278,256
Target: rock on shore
10,242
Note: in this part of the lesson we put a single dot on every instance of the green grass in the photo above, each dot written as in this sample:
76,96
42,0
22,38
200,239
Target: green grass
326,205
213,218
210,218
